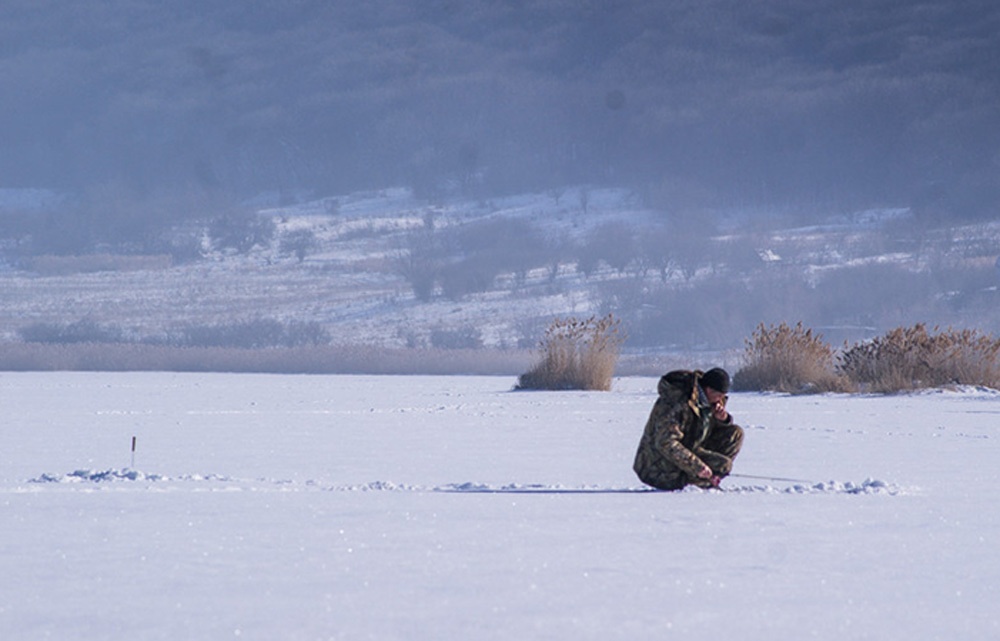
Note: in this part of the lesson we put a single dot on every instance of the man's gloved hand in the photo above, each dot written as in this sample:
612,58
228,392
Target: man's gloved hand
707,474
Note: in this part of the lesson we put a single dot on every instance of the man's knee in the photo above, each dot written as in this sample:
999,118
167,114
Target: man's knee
721,448
737,440
728,441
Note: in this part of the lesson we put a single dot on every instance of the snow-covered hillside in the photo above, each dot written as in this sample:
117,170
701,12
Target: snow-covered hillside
351,276
350,280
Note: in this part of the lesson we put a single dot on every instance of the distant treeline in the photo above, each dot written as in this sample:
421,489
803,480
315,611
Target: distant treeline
294,360
249,334
255,333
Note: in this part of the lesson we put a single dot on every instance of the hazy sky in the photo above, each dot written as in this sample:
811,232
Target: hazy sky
696,102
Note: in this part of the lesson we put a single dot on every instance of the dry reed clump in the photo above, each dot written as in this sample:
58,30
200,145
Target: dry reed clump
576,354
788,359
913,358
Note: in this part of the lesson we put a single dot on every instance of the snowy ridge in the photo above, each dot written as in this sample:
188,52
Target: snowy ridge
216,481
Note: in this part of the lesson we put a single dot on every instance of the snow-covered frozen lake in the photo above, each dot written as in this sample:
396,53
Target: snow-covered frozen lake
364,507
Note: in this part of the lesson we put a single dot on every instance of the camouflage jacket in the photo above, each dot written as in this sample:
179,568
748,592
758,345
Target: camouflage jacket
679,423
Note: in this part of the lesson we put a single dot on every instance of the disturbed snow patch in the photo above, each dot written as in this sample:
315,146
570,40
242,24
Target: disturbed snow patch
97,476
216,481
265,484
868,486
129,475
377,486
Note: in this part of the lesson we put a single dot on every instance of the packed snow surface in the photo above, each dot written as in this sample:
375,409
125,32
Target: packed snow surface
363,507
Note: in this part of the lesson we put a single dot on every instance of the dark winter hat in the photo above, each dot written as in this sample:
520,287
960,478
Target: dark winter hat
716,378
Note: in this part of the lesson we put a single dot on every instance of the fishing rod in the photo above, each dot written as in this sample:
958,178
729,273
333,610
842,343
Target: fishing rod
771,478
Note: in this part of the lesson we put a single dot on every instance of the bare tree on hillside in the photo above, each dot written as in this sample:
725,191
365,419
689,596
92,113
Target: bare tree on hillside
298,242
653,251
617,244
419,263
692,245
240,232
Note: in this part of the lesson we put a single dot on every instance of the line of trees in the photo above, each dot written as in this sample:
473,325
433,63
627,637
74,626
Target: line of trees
147,228
252,333
469,259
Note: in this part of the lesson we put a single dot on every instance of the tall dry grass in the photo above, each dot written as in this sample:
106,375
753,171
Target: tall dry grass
915,358
577,354
795,360
788,359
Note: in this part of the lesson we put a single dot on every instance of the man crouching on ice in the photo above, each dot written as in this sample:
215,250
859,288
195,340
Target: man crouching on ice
690,437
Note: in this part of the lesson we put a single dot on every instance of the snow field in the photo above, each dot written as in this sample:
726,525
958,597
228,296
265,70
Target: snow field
366,507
